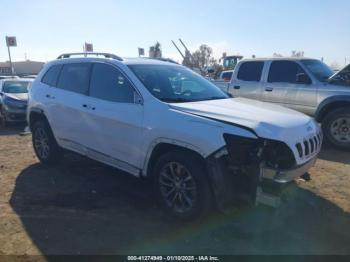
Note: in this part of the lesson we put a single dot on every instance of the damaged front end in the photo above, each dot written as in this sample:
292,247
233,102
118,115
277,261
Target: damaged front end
251,170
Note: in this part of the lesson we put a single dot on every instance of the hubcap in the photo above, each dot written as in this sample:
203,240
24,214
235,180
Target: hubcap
340,129
177,187
41,143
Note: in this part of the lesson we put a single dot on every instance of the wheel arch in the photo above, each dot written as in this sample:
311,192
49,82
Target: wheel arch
330,104
36,114
164,146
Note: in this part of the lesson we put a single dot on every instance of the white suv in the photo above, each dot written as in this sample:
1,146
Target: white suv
163,121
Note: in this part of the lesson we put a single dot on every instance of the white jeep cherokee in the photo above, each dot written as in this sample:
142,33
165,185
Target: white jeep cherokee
163,121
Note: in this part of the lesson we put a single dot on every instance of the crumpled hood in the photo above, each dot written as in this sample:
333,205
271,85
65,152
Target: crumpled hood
267,120
20,96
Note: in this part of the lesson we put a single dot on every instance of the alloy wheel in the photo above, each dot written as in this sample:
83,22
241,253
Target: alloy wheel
178,187
41,143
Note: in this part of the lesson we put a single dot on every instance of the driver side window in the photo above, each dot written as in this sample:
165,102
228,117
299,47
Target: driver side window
285,72
109,84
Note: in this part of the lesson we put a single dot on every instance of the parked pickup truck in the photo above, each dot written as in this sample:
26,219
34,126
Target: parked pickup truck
306,85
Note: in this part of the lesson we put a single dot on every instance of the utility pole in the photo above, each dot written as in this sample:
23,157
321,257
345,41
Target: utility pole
12,70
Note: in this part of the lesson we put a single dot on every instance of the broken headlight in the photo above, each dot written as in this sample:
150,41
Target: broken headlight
278,155
243,150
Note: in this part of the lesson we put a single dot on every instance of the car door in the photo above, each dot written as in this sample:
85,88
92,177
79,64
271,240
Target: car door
66,109
247,80
284,87
114,117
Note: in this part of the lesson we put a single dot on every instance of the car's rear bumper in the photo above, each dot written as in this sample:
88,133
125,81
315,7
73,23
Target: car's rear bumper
285,176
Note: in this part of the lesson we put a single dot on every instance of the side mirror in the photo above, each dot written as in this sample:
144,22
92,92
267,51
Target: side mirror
302,78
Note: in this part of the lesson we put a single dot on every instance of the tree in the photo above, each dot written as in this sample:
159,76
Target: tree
297,53
155,51
277,55
201,59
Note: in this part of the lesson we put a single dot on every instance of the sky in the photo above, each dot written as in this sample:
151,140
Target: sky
47,28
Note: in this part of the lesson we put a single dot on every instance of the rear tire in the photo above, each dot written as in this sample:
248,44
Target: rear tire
336,127
44,143
181,185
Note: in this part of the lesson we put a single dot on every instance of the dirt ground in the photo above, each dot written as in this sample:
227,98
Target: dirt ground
82,207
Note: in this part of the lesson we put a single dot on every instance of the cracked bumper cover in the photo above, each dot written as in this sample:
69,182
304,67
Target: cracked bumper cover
221,177
285,176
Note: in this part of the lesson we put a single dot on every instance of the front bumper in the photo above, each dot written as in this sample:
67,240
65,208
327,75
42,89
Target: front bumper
230,185
15,115
285,176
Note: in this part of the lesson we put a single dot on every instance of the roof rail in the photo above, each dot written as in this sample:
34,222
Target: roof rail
106,55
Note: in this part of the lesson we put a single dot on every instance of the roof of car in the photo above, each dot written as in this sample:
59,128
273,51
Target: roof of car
146,61
17,80
80,57
277,58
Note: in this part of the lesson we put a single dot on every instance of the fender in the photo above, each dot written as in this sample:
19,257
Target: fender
35,110
171,142
326,104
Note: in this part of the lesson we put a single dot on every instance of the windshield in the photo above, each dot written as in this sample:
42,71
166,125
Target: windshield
171,83
320,70
15,87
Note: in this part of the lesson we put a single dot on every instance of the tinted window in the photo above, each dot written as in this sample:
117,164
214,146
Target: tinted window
75,78
50,77
284,71
108,83
250,71
227,75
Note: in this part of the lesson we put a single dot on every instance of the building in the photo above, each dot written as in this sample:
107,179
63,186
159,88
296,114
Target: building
21,68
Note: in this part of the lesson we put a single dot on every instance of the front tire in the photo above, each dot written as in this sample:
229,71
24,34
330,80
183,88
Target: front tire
44,143
181,185
336,127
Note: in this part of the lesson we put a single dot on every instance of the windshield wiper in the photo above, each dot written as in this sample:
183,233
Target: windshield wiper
215,97
175,100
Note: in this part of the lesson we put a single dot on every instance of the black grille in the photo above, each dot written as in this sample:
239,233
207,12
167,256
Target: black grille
311,145
300,149
306,146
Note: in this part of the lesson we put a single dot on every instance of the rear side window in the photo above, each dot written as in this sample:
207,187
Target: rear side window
50,77
250,71
75,78
108,83
284,71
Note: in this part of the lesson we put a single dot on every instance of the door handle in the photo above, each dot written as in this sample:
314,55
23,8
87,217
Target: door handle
50,96
89,106
268,89
237,87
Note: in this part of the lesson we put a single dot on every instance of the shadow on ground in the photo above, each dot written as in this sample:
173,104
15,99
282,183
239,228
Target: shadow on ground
82,207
